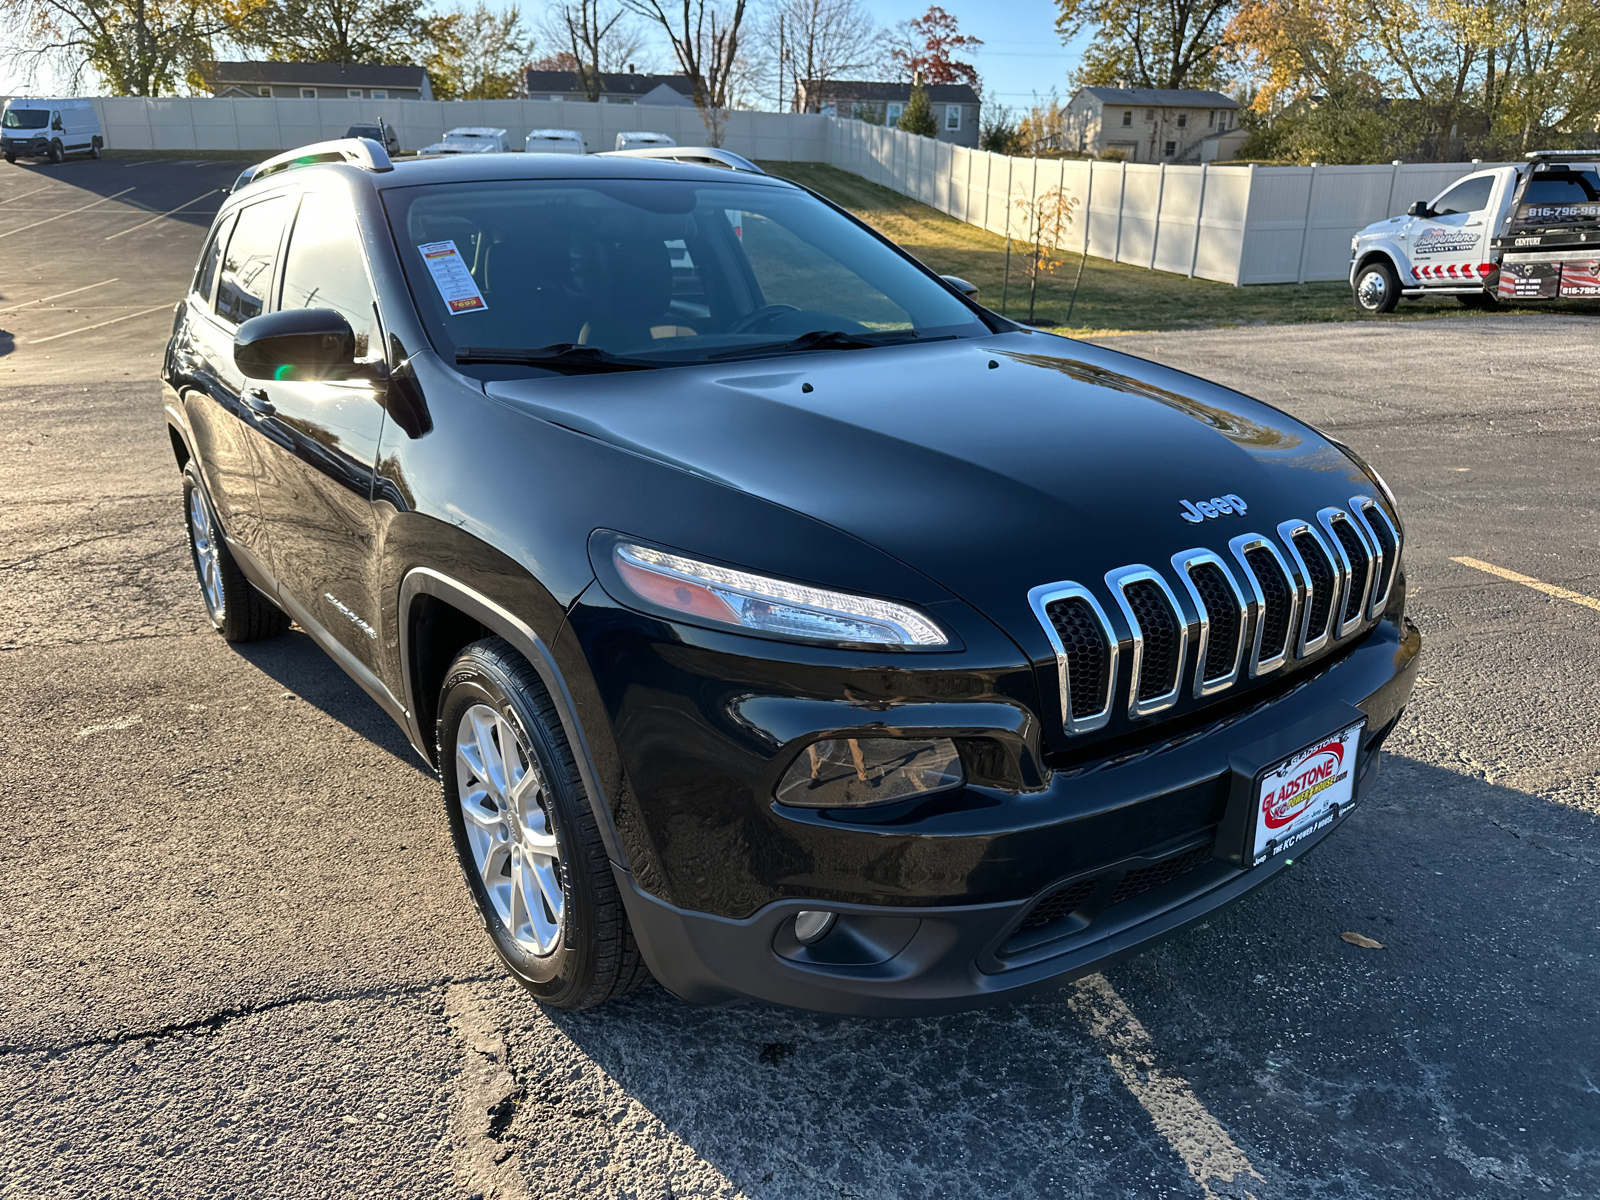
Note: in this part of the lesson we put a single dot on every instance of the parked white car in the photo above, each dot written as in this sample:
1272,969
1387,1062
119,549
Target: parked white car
49,128
554,141
639,140
468,139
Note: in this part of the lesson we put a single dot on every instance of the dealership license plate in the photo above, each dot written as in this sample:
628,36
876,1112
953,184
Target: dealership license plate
1305,793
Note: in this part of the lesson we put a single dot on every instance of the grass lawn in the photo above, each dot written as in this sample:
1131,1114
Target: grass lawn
1114,297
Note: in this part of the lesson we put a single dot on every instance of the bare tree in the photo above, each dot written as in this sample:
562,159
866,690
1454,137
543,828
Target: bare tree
815,41
705,41
587,28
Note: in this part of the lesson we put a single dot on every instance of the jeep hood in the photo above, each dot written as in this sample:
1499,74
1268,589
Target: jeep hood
990,465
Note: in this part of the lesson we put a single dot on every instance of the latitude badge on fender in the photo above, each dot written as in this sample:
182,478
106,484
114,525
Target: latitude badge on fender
1196,511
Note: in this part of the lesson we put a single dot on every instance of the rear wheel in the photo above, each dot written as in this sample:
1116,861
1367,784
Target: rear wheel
237,611
1377,289
94,148
525,836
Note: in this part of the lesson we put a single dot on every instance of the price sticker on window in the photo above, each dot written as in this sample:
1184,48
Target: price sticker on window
450,275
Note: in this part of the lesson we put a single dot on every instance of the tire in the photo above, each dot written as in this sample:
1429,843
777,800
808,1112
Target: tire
1479,300
530,841
11,158
56,154
1377,289
94,148
237,610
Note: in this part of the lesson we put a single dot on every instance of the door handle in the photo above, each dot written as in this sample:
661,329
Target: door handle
255,399
1473,224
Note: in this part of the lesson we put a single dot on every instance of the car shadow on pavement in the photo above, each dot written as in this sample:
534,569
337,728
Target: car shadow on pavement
301,667
1460,1059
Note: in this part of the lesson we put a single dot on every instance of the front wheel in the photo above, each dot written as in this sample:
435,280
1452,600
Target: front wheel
524,833
56,153
1377,290
237,611
11,158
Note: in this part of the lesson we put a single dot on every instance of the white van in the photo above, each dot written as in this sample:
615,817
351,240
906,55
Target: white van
52,129
553,141
468,139
642,139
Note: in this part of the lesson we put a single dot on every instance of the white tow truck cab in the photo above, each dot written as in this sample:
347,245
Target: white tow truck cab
49,128
1458,243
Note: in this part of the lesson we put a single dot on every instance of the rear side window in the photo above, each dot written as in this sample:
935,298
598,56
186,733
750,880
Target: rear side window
1563,187
247,266
206,276
324,267
1469,196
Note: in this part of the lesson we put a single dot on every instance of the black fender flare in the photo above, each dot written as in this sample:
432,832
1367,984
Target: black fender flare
420,581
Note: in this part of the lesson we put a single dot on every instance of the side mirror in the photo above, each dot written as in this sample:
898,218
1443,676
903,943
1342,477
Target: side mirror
1419,208
296,344
969,290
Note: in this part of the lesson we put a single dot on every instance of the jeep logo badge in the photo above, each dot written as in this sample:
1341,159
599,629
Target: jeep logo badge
1199,510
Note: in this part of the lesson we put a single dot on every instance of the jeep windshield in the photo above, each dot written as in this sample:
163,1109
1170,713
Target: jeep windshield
596,274
1559,197
25,118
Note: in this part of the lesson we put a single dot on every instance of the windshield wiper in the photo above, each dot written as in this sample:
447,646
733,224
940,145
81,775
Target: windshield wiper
567,356
833,339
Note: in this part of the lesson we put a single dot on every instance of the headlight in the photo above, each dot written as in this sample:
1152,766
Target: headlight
852,772
770,606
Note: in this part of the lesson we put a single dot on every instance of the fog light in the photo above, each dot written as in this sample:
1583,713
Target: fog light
813,926
851,772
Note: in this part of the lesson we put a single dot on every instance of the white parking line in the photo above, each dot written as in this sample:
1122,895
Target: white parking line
68,213
57,296
168,213
98,325
1191,1131
22,195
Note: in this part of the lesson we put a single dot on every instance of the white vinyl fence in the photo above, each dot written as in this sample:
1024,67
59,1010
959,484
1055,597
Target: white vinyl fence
1239,225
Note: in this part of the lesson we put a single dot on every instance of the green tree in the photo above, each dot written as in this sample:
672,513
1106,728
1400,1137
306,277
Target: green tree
1148,43
476,53
918,114
352,31
134,47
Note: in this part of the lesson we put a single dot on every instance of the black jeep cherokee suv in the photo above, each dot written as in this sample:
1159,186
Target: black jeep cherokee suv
779,621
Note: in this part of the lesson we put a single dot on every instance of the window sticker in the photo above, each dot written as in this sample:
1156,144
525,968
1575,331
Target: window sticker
450,275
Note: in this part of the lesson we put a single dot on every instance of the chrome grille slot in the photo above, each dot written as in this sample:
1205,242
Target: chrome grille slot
1356,563
1382,534
1320,587
1223,614
1276,600
1085,649
1159,635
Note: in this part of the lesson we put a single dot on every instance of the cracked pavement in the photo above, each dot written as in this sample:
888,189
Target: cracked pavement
239,959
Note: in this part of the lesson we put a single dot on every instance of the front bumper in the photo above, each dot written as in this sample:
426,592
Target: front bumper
911,958
36,147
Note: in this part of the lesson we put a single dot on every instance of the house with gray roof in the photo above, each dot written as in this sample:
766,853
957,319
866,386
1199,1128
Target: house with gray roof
1147,125
955,105
319,80
616,87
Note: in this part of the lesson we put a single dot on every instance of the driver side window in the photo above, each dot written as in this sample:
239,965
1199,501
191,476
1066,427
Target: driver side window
1468,196
324,267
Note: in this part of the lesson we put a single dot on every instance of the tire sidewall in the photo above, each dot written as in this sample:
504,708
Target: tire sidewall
191,485
1390,283
56,153
478,679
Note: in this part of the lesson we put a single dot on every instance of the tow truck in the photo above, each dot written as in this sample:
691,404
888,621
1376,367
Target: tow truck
1518,232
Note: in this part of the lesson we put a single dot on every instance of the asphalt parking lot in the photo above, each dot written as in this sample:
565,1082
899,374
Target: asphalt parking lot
239,959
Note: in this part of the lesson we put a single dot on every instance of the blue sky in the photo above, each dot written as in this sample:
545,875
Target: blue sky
1021,55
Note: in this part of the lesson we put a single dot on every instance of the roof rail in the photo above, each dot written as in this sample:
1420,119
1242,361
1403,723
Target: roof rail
705,156
356,152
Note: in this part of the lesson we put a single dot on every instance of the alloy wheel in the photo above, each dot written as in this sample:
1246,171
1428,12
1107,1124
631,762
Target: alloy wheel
206,559
506,809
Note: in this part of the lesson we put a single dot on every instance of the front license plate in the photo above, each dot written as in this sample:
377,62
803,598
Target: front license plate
1305,792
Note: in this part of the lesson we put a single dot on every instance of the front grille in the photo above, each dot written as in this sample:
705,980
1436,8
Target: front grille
1083,644
1277,603
1387,538
1159,661
1062,902
1356,551
1224,617
1323,580
1144,879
